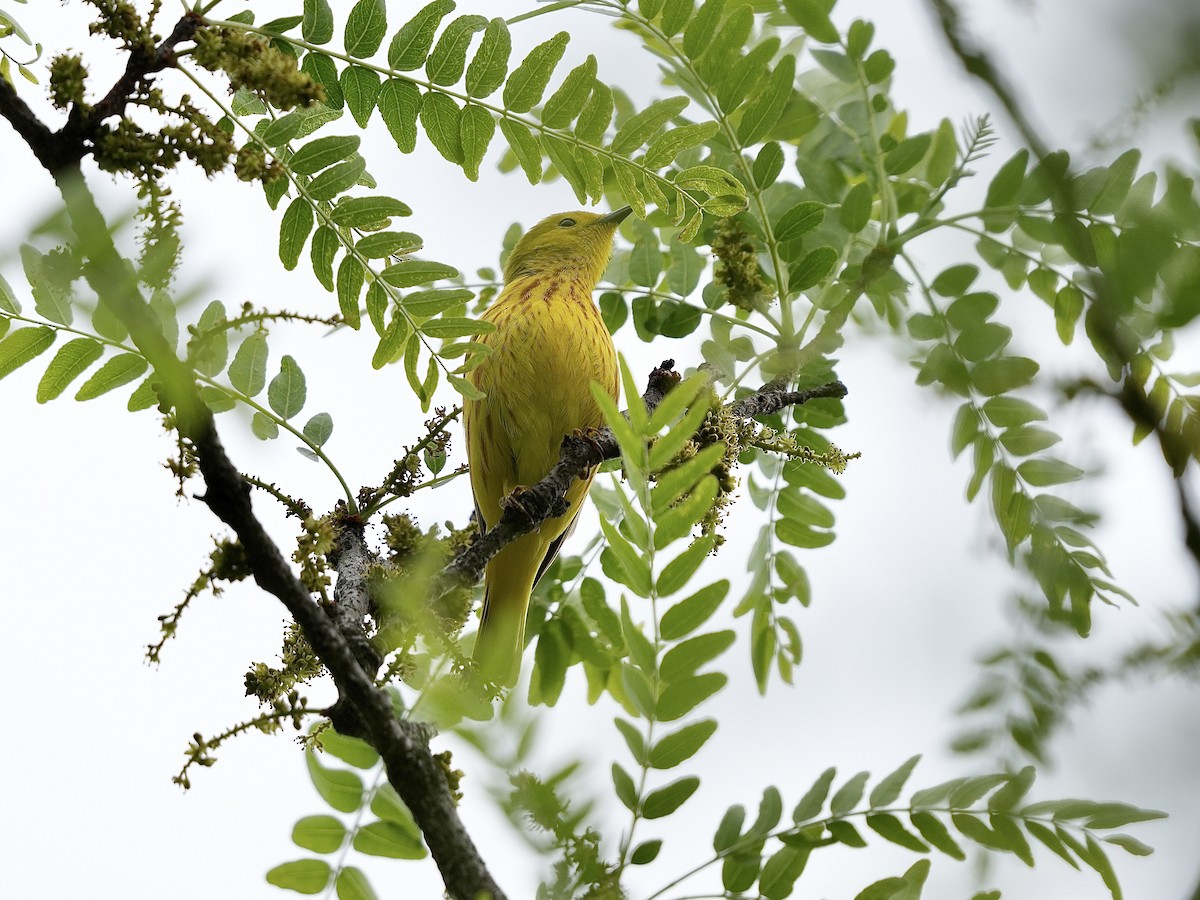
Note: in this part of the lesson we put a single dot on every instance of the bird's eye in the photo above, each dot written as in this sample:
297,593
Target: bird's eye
566,223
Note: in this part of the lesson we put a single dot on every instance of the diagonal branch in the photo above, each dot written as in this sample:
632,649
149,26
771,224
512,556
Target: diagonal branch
364,709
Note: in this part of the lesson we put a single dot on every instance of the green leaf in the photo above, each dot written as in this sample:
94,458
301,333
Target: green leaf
304,876
325,245
350,276
767,165
568,101
288,390
667,799
368,212
71,361
264,427
248,371
645,852
700,30
119,370
1116,186
293,231
319,428
51,297
813,17
729,829
685,658
813,801
384,244
984,340
456,327
487,70
340,789
1068,307
906,154
683,275
780,871
319,68
388,806
848,795
410,46
623,783
931,828
445,65
761,113
412,272
528,81
633,740
889,828
741,80
799,220
8,299
360,87
320,834
689,614
1009,412
400,104
664,148
317,27
388,840
365,27
998,376
392,342
955,281
525,147
1027,440
278,132
639,128
1004,186
476,128
323,152
675,15
683,695
679,571
1045,472
813,269
886,792
335,180
645,261
440,119
631,568
352,884
680,745
597,114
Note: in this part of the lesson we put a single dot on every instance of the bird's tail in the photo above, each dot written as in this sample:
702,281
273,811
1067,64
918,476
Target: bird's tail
510,578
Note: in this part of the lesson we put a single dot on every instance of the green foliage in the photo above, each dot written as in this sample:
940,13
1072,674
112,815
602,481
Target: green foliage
789,161
373,821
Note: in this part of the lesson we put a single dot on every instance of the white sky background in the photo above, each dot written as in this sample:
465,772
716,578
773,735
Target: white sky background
95,546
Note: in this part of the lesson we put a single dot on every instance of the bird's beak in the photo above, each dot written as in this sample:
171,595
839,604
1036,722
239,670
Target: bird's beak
615,217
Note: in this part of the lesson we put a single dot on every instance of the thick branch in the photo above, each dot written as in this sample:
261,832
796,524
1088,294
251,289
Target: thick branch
365,709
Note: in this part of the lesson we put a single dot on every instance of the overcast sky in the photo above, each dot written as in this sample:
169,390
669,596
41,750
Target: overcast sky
95,545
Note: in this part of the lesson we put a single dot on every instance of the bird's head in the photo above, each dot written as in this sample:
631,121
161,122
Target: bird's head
569,242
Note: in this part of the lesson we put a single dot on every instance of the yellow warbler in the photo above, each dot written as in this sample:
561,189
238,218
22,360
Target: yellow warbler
549,345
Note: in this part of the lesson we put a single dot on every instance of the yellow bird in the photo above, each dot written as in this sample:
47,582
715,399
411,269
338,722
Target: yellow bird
549,345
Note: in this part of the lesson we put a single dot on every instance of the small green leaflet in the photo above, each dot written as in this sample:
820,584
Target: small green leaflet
119,370
288,389
487,70
71,361
528,81
365,27
248,371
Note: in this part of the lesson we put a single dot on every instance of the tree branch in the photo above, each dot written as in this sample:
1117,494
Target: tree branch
364,709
